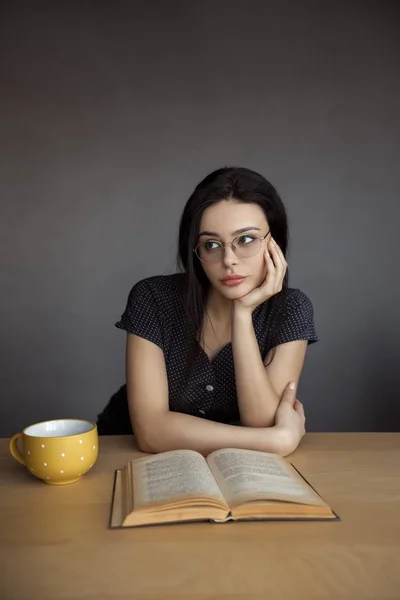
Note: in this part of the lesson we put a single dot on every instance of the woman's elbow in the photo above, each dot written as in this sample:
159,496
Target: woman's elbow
143,445
149,440
145,442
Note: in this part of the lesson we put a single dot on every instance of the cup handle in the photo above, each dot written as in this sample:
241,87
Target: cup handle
15,450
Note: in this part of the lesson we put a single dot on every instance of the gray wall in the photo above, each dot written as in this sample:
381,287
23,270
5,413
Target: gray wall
111,112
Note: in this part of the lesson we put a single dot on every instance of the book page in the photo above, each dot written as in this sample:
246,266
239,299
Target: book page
174,475
246,475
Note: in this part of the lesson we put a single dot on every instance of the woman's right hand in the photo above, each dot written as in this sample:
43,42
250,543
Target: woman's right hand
290,419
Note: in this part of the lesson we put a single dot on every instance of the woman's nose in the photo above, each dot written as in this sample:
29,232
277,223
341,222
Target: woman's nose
229,257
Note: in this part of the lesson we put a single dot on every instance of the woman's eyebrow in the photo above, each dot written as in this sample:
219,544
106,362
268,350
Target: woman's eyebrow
242,230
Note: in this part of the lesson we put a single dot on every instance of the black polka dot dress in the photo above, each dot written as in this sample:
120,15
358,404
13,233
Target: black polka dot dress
155,311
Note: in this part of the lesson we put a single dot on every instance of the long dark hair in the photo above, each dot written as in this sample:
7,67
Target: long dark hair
228,183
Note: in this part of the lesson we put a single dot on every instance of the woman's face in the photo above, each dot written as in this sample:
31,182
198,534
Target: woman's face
223,222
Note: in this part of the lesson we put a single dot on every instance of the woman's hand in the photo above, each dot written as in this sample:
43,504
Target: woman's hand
290,419
276,265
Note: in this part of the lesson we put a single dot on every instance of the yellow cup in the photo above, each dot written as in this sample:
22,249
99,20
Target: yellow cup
59,451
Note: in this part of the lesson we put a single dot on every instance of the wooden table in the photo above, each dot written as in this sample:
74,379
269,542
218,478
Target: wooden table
55,541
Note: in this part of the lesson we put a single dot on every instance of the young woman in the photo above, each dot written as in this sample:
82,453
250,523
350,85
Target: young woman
218,343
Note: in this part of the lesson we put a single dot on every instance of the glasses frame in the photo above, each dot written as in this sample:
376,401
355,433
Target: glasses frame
224,244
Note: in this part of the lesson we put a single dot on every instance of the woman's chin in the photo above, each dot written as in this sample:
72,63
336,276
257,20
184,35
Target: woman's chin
235,292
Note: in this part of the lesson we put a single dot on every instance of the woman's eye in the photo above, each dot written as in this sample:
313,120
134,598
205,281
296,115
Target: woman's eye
211,245
245,239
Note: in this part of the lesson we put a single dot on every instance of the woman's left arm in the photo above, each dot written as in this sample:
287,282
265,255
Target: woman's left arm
259,387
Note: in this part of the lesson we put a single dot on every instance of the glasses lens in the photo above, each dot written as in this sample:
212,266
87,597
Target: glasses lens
209,252
246,245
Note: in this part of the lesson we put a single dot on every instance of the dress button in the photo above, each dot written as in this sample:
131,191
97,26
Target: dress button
209,388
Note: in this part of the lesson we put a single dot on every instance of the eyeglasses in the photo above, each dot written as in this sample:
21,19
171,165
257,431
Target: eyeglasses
243,246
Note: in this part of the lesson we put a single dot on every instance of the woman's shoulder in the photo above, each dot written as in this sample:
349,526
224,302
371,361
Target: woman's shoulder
151,302
296,299
296,321
161,288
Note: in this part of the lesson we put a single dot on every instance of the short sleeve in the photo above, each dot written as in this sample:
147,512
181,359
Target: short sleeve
298,319
142,315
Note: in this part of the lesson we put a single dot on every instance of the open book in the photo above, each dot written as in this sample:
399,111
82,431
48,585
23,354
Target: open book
230,484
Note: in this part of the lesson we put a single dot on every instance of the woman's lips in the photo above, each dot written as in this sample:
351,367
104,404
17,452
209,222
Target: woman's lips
231,281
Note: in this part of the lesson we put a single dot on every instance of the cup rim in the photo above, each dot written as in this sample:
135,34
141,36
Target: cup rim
94,426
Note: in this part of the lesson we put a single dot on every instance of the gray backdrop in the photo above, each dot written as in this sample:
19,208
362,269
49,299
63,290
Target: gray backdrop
111,112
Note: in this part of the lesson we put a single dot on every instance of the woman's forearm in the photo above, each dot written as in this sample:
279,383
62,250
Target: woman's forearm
257,398
173,431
